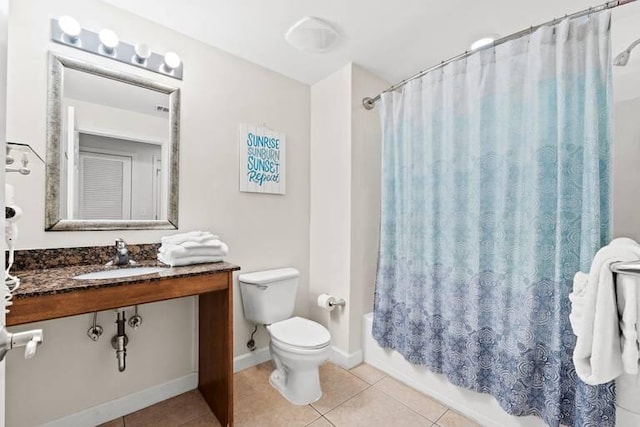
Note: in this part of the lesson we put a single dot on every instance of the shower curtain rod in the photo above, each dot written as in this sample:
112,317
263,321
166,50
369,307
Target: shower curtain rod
370,103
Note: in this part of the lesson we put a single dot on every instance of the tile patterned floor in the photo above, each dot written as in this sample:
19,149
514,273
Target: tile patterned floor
362,396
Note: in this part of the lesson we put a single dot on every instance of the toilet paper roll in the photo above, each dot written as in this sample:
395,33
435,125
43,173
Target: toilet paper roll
325,301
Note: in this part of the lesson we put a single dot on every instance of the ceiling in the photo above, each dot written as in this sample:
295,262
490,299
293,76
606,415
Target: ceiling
392,39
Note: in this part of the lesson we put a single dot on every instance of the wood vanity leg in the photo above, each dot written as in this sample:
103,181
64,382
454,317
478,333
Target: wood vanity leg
215,337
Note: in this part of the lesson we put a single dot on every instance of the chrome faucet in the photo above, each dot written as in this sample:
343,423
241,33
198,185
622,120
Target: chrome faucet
122,254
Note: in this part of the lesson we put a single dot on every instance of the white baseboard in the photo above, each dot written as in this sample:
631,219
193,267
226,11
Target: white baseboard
248,360
261,355
345,360
127,404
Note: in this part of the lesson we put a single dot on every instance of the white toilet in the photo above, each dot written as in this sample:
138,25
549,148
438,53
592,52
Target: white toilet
298,346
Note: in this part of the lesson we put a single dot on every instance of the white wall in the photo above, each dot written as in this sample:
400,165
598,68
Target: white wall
366,150
219,91
330,204
117,122
4,10
345,200
626,168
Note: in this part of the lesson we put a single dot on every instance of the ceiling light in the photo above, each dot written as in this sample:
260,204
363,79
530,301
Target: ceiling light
482,42
171,61
70,27
109,40
312,35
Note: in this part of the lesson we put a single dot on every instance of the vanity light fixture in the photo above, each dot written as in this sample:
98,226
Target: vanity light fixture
142,53
106,43
109,41
70,28
171,62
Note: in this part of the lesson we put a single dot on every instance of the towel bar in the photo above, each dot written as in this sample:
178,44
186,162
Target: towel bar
631,267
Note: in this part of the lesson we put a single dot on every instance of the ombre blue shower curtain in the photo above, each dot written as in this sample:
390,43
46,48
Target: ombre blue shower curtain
495,191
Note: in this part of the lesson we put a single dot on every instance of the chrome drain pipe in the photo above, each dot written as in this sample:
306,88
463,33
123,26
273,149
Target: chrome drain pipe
119,342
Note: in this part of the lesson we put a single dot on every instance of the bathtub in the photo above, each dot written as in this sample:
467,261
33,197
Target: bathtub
480,407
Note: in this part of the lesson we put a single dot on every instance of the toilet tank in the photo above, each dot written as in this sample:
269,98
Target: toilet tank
269,296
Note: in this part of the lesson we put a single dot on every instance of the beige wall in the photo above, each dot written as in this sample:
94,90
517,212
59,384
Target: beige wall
366,150
330,194
345,200
3,116
626,169
219,91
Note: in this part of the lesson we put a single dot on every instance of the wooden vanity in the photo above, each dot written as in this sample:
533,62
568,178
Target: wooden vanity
53,293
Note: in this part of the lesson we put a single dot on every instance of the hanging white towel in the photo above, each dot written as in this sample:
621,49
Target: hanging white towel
578,300
598,352
627,291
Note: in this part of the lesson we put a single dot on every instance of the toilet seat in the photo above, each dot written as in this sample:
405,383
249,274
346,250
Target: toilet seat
299,333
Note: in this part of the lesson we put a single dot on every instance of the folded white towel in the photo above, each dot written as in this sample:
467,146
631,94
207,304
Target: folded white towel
598,352
209,248
209,244
191,236
177,262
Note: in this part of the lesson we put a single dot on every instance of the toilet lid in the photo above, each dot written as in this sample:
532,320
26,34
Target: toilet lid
299,332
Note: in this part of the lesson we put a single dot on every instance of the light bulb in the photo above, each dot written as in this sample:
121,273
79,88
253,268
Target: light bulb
482,42
171,61
70,27
109,40
143,52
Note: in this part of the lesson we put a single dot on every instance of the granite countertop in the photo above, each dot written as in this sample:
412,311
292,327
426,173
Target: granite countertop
50,281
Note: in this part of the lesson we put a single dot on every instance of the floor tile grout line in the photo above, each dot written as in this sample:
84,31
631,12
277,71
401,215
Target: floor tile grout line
413,410
373,383
352,374
440,417
312,407
342,403
435,399
345,401
402,403
327,420
365,380
311,422
438,401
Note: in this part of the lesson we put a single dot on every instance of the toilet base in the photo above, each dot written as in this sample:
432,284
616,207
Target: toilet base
305,391
297,378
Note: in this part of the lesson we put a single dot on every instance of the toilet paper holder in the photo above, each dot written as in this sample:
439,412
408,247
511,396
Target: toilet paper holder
329,302
338,303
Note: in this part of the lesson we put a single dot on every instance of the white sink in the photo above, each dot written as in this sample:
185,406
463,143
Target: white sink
120,272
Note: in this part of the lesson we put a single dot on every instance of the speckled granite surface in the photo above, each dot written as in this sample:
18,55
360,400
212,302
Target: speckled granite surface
49,278
58,280
38,259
